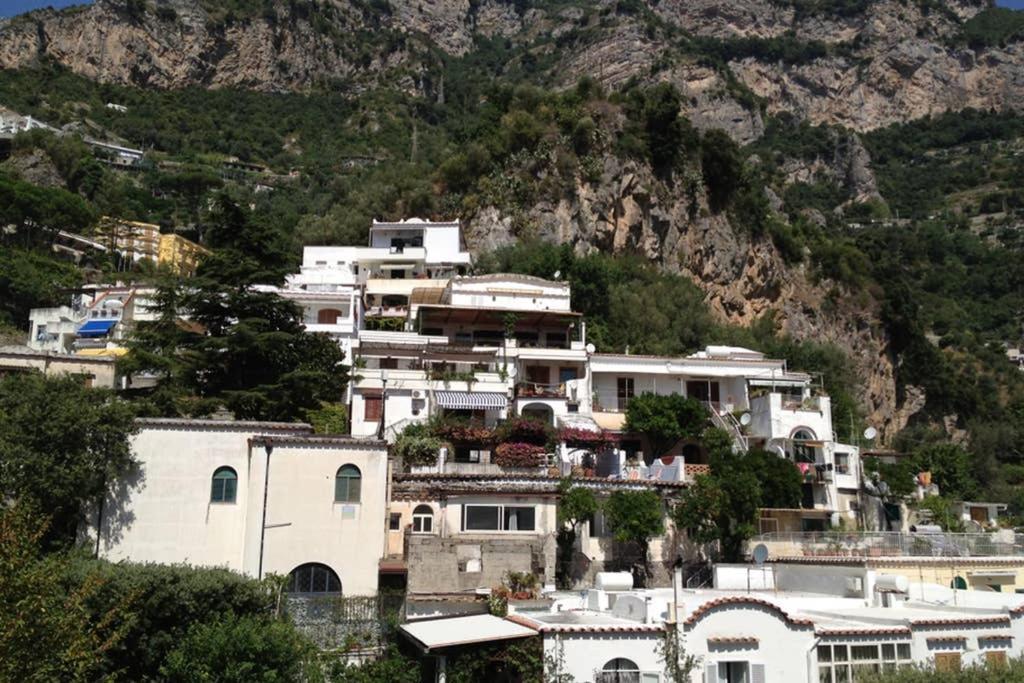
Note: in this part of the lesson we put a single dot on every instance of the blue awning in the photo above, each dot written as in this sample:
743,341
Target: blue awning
96,328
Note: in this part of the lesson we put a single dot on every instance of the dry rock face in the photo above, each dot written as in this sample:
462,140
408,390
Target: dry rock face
743,278
892,62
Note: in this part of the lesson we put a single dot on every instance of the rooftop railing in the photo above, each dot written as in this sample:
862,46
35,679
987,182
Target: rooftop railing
889,544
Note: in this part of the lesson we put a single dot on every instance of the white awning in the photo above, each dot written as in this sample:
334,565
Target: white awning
777,383
471,400
480,628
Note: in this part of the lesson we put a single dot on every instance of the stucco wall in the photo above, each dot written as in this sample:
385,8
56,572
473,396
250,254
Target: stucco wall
786,650
163,513
582,655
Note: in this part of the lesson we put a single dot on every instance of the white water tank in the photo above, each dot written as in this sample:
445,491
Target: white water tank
892,583
614,581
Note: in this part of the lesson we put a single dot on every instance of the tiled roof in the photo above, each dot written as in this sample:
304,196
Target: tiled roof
707,607
893,631
891,561
539,478
320,440
584,628
962,621
947,639
223,424
733,640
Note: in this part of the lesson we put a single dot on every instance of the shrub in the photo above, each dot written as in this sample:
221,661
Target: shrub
525,430
417,449
513,454
239,649
464,432
583,437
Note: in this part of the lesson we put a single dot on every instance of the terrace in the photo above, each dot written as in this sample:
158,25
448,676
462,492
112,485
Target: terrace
868,544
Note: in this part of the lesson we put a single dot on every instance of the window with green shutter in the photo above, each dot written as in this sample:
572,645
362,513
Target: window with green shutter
347,484
224,486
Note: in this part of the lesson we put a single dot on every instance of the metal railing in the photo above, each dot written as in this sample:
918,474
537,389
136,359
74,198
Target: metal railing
724,419
889,544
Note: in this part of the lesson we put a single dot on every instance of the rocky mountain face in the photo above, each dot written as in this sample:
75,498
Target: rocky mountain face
734,63
893,60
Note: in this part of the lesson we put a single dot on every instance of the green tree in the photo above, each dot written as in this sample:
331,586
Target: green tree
576,504
722,166
636,517
665,419
951,469
63,444
31,279
722,506
243,347
48,632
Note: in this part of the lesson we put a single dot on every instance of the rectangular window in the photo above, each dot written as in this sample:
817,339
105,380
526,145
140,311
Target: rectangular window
499,518
519,518
734,672
947,661
388,363
703,390
464,338
845,663
481,518
996,658
395,521
624,391
842,463
372,406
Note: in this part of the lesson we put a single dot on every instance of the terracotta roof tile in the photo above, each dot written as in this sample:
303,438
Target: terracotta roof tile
699,613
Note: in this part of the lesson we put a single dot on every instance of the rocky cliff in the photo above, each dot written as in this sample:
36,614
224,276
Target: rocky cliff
887,61
855,65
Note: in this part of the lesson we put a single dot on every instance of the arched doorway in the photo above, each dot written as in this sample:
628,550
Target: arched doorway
538,411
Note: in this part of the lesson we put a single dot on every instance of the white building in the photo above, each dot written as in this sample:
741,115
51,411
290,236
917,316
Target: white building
754,398
792,623
96,323
255,497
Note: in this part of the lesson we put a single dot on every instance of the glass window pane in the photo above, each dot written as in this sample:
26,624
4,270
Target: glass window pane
825,674
519,518
888,651
839,652
319,580
824,653
354,486
863,652
229,490
482,518
842,674
217,492
903,650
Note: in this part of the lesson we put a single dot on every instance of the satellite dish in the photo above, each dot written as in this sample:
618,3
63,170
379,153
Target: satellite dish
745,419
870,433
760,554
591,348
557,275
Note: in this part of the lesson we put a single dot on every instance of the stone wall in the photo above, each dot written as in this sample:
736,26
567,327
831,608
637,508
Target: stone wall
449,565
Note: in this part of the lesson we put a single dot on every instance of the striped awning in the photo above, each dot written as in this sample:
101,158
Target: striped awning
471,400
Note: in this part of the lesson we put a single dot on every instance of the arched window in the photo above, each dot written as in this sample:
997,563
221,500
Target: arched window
347,484
802,450
313,578
225,486
423,520
328,316
620,670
